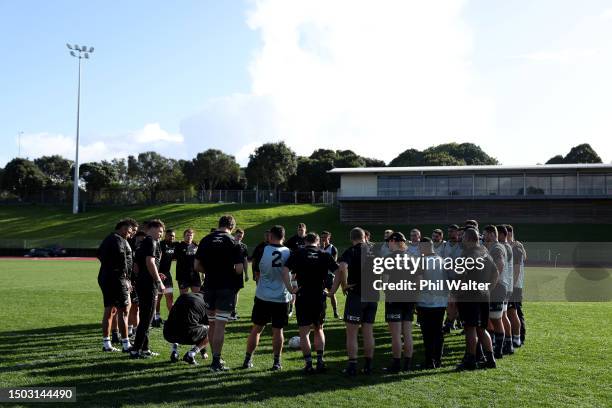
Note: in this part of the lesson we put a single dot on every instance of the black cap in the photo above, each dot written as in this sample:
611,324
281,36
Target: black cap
397,236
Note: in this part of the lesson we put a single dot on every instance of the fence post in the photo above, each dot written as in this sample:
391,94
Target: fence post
313,197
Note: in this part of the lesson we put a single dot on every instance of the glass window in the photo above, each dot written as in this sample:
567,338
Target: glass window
609,184
460,186
480,185
592,184
538,185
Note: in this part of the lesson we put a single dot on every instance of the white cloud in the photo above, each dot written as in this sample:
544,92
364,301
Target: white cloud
564,55
150,137
375,77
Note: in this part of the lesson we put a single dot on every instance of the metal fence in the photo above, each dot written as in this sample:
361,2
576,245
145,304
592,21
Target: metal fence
142,196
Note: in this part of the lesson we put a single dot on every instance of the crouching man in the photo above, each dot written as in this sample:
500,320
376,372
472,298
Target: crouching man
187,324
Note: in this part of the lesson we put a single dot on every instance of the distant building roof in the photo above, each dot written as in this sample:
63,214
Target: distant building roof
475,169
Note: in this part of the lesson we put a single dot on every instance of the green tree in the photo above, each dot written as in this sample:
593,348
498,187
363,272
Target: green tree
582,153
212,168
98,175
408,158
271,165
558,159
56,168
148,169
23,177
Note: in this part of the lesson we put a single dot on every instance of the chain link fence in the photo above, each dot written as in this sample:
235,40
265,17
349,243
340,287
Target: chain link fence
143,196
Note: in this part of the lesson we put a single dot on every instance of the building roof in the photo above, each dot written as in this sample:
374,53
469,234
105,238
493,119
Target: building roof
560,168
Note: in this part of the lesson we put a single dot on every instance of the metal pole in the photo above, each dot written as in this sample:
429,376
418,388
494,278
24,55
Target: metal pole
19,143
75,193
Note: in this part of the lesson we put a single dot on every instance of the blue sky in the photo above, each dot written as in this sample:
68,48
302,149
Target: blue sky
526,80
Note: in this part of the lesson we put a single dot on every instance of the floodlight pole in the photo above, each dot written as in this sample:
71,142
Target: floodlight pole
75,191
83,52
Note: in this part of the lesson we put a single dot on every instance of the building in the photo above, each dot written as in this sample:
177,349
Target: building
557,193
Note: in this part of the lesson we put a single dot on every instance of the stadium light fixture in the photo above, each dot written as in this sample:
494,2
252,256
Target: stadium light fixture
80,53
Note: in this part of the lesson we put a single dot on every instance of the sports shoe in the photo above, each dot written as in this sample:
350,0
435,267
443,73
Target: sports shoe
189,360
149,353
115,339
276,367
308,369
218,366
126,350
247,364
134,354
174,357
350,370
516,345
336,315
366,370
392,369
490,363
508,349
156,323
110,349
468,363
204,354
320,367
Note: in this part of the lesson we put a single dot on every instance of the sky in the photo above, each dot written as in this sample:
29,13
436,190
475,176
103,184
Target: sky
525,80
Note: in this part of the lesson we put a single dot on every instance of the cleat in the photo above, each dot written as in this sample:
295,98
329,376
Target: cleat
367,370
392,369
247,364
276,367
508,349
156,323
149,353
336,315
321,368
217,367
174,357
350,371
126,350
204,354
308,369
137,355
110,349
189,360
115,339
490,364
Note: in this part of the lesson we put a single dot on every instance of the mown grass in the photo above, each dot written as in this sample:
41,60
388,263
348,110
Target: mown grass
50,336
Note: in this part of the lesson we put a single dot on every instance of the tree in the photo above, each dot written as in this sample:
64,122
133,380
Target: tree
558,159
98,175
22,176
212,168
449,154
148,169
56,168
370,162
271,165
408,158
441,158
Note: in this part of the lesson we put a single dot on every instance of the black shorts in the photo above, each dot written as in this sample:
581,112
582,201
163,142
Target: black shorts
265,312
191,280
474,314
399,311
329,281
358,312
134,297
115,292
310,309
223,300
168,281
190,335
517,295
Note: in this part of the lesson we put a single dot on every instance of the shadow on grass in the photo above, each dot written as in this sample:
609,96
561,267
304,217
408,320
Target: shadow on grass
69,356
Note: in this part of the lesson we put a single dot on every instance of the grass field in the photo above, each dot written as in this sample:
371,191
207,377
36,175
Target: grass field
50,336
44,225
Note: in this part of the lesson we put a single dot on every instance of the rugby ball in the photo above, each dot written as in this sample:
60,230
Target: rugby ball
294,342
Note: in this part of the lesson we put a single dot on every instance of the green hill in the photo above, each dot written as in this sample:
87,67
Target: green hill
44,225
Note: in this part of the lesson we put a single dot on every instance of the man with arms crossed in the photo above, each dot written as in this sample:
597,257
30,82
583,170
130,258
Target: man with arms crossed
328,247
219,258
357,312
451,249
311,266
508,278
185,252
498,293
114,282
272,297
148,285
239,284
515,306
167,248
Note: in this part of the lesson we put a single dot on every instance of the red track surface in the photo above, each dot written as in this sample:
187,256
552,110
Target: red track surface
51,258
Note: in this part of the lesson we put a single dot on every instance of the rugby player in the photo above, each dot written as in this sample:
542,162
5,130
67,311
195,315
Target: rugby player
257,252
413,248
399,314
311,266
167,248
508,278
437,236
452,249
515,307
187,324
498,302
148,285
357,312
474,306
432,304
383,249
298,240
185,252
328,247
134,308
113,279
219,258
272,297
239,284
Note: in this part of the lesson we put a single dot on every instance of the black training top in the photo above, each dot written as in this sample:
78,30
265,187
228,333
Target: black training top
296,242
257,254
185,255
238,278
358,258
167,249
147,247
310,266
188,311
218,253
113,256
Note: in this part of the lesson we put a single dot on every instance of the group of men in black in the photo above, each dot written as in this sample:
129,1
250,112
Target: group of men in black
305,271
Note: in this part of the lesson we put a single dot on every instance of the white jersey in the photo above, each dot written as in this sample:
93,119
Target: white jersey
509,278
451,250
414,249
270,286
439,248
